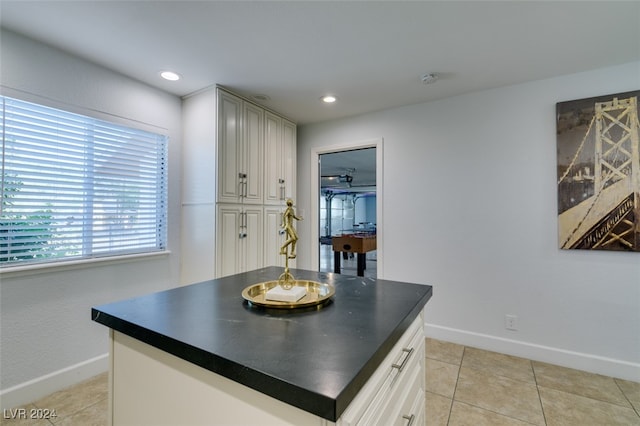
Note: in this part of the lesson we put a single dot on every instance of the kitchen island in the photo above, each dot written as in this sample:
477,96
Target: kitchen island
200,354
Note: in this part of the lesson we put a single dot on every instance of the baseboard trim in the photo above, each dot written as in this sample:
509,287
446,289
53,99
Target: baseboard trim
39,387
577,360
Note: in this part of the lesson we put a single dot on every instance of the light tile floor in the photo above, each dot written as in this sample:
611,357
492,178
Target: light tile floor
464,386
469,386
84,404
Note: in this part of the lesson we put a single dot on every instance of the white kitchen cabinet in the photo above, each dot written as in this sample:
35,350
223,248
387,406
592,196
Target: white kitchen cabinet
280,152
273,155
198,179
239,238
274,237
253,146
394,394
231,164
289,137
149,386
256,161
240,150
226,163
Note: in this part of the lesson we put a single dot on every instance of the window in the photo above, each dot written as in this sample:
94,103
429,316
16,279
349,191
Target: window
74,187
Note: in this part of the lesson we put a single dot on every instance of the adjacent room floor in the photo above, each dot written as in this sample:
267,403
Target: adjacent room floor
464,386
349,266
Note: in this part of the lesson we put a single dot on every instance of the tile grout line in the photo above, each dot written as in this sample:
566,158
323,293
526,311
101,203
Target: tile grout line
535,378
633,407
453,397
487,409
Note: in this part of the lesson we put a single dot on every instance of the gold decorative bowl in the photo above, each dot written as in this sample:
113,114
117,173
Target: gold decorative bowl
317,293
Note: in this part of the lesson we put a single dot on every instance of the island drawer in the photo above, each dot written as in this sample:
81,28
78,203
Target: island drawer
390,382
399,408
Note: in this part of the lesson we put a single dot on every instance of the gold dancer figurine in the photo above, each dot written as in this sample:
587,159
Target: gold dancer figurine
286,280
292,236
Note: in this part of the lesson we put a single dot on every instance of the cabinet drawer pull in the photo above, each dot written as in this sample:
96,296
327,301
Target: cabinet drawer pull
404,361
242,188
411,418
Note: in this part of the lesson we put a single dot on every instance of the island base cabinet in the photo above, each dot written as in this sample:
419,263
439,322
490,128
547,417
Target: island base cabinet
151,387
395,393
148,386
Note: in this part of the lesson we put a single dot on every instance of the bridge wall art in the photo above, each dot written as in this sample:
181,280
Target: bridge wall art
598,171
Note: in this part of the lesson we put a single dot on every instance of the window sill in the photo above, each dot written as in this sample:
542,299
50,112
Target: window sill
46,268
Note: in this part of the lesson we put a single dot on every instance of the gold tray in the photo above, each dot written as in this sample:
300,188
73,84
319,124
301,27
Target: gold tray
317,293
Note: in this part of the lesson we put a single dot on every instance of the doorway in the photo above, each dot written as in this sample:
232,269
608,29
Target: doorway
347,203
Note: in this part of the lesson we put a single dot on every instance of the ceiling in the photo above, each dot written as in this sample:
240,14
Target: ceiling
358,164
370,54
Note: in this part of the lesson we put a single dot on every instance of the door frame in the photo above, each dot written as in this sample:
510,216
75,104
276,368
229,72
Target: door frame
315,197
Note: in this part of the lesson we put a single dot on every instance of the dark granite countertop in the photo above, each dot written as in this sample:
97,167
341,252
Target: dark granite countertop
315,359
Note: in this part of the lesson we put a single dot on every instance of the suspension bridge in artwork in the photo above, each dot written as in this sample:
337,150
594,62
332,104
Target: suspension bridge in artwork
608,216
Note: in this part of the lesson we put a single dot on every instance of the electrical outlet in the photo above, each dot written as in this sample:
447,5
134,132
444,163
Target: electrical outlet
511,322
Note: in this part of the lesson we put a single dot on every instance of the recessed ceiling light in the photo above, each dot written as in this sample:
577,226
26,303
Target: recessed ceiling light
170,75
262,98
329,99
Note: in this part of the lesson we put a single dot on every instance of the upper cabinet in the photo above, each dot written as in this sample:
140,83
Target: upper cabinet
240,150
253,155
231,168
289,158
280,152
256,153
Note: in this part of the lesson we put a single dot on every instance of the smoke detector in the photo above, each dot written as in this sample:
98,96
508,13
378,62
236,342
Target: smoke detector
429,78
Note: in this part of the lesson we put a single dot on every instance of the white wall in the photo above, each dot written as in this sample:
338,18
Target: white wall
48,339
470,208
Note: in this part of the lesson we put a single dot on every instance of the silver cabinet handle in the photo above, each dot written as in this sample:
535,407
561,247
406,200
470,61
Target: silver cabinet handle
242,184
243,225
404,361
411,418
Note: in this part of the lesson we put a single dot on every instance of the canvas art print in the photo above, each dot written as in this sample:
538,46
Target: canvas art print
599,173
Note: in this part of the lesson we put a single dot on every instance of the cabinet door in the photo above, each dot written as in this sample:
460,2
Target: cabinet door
253,153
280,160
230,148
252,240
289,159
273,159
273,236
229,236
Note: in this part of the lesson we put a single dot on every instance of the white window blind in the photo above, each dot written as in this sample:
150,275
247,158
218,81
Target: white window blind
76,187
